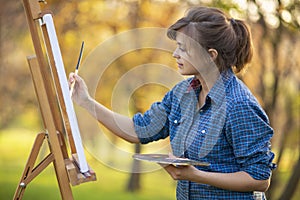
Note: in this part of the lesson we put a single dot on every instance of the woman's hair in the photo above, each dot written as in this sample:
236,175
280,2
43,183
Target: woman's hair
213,29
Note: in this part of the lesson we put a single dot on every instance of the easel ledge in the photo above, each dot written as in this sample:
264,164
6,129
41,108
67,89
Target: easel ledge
55,118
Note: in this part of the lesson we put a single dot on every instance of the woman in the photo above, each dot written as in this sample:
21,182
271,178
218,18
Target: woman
211,117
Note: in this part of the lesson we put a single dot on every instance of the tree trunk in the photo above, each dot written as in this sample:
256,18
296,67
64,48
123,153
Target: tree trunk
134,180
292,183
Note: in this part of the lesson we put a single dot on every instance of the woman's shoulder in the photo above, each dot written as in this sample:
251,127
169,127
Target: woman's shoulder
239,97
238,92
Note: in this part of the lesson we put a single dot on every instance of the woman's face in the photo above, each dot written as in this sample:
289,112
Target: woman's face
191,59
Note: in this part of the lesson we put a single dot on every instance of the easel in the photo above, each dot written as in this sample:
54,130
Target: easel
54,113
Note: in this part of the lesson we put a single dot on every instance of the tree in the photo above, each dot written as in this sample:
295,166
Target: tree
273,76
276,31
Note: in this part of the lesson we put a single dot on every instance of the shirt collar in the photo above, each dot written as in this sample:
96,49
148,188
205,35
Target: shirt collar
194,84
218,91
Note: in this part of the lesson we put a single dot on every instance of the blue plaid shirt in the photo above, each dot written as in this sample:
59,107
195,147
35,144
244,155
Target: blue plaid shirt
230,131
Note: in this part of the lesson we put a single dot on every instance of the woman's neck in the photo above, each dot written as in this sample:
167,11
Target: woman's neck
208,80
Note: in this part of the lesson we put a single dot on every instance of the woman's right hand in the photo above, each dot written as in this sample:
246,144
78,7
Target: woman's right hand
80,93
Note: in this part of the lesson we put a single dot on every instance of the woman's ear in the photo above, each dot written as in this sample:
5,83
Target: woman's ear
213,54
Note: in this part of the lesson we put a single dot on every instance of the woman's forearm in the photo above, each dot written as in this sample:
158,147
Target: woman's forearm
122,126
238,181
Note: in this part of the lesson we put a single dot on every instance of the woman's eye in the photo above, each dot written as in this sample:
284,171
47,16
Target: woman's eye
182,49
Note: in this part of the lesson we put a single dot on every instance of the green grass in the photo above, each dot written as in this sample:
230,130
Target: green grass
15,146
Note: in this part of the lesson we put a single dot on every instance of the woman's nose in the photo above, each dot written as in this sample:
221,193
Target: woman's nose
175,54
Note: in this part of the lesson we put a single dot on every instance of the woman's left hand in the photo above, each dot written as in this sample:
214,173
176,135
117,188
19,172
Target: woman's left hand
181,172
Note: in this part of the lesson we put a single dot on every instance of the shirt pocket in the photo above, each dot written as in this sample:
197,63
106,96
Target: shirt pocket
175,121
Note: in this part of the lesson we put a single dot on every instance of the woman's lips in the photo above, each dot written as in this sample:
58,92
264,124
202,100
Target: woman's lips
180,65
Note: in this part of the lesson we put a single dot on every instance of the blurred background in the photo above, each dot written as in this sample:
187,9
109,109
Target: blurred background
273,77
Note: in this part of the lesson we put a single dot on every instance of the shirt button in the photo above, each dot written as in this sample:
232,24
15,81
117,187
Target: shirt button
175,121
201,110
203,131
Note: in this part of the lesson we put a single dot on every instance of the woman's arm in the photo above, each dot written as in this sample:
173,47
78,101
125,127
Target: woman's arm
237,181
120,125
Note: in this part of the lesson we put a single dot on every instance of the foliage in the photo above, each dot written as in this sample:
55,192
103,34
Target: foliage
273,75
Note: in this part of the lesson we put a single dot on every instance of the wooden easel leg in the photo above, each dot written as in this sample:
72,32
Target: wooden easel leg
31,171
29,165
51,120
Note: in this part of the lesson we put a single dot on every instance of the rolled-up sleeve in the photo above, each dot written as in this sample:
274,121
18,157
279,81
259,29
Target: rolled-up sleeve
249,133
153,124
